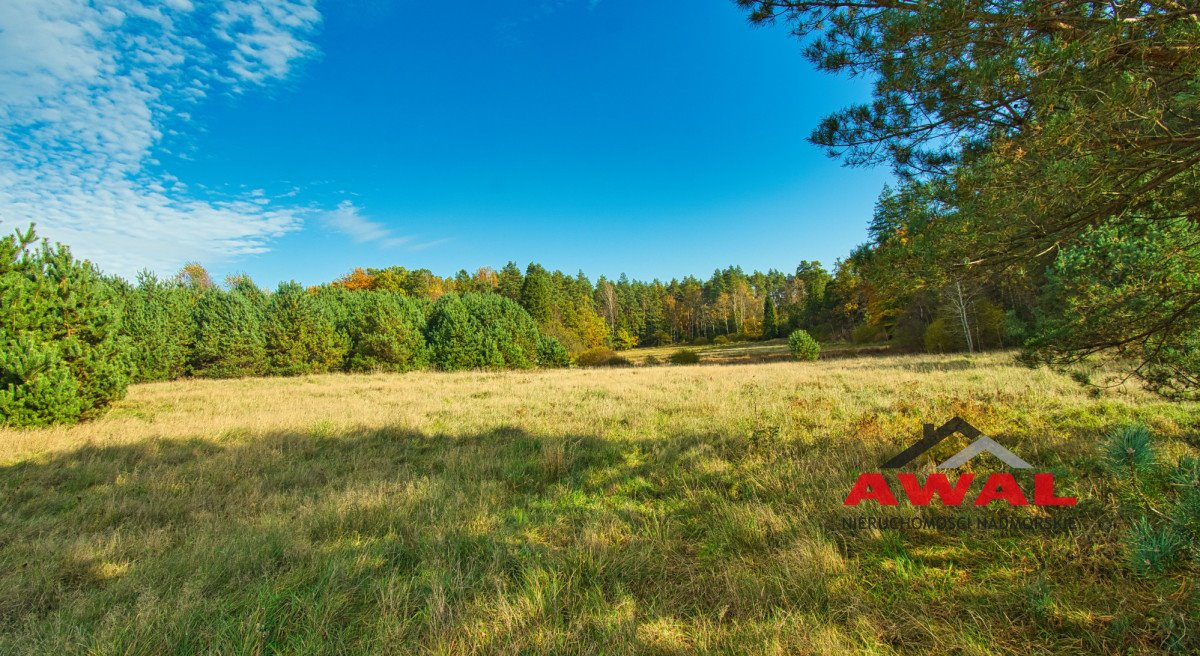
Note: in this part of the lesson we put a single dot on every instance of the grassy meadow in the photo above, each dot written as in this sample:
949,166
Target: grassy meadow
654,510
771,350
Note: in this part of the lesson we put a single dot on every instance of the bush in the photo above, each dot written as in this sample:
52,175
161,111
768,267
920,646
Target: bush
229,338
551,353
62,357
684,356
1129,450
624,340
659,338
385,330
300,335
38,386
909,332
600,357
720,339
157,320
1171,490
866,333
941,338
651,361
803,346
481,331
1154,549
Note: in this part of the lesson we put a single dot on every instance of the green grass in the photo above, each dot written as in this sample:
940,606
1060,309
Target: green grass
772,350
659,510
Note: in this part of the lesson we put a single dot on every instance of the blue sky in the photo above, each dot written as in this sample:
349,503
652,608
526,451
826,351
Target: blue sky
296,140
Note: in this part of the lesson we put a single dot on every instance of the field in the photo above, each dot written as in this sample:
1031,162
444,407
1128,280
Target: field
774,350
635,510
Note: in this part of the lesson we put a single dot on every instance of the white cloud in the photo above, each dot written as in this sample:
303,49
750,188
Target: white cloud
266,36
348,220
87,90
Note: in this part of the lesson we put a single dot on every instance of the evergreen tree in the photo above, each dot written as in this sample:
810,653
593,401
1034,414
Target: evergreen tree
770,320
300,336
537,294
158,323
229,339
62,357
481,331
551,353
386,332
510,282
454,336
510,334
1034,133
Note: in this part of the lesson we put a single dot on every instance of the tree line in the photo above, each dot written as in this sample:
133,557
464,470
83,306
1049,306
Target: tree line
75,338
841,304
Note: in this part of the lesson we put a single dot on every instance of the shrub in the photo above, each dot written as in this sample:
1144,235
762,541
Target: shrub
481,331
157,320
38,385
1170,490
684,356
62,357
720,339
909,332
385,331
941,338
699,341
1153,549
1129,450
803,346
866,333
624,340
600,357
300,334
551,353
651,361
229,339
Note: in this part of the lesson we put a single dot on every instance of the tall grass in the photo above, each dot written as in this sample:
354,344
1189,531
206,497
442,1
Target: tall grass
685,509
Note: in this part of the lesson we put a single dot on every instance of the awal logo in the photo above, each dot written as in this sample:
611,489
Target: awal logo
997,487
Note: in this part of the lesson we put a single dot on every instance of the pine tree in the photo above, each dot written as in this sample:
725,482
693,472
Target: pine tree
482,331
510,334
386,332
510,282
300,337
770,320
455,337
158,323
537,294
229,339
62,357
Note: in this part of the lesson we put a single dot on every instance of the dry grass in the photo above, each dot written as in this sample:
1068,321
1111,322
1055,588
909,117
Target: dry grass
774,350
642,510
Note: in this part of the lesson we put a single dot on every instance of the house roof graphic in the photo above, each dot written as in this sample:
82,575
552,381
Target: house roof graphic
980,443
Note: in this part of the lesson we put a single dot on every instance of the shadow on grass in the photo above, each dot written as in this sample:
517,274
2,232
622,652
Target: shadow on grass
399,541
